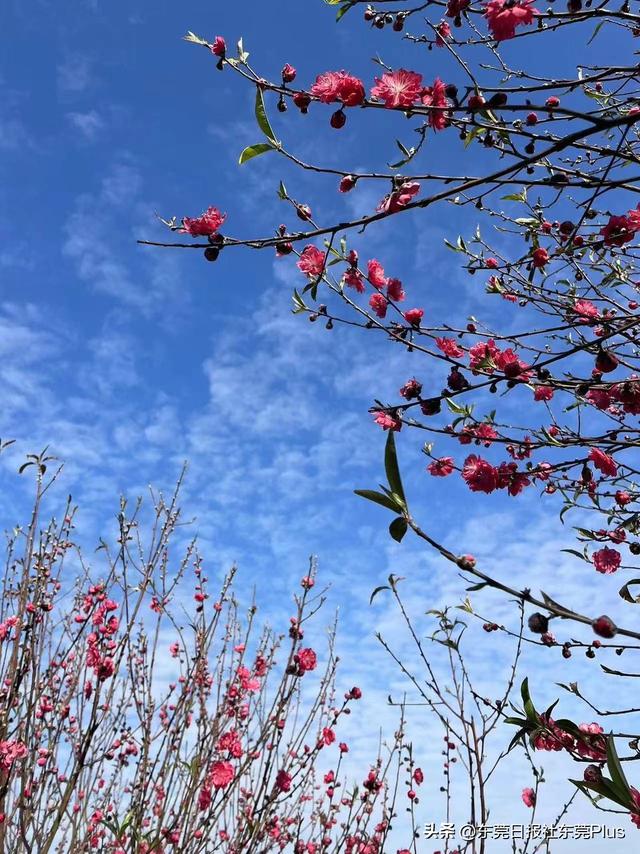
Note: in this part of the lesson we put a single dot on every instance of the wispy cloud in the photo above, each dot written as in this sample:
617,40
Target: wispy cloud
89,124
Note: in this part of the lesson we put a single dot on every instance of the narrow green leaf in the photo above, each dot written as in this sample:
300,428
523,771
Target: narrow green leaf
391,467
620,784
252,151
376,591
378,498
261,116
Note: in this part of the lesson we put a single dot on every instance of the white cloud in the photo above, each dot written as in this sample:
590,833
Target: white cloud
89,124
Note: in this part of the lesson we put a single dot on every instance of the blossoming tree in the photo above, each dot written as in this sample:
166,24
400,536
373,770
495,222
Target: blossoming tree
549,393
143,711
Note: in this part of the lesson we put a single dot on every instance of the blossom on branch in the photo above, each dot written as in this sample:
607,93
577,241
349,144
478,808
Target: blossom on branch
505,15
399,88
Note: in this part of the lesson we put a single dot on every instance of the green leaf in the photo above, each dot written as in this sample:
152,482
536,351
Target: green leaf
378,498
299,303
391,467
192,37
376,591
282,191
261,116
345,8
620,784
243,56
529,708
256,150
398,528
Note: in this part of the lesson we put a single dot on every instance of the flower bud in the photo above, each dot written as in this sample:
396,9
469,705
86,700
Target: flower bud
604,627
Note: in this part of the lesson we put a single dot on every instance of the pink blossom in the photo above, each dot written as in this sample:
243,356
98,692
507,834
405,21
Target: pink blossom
379,303
338,86
444,32
603,462
353,278
388,421
219,46
221,774
399,88
311,262
505,15
529,797
204,225
479,475
449,347
375,274
306,660
435,97
585,309
414,316
283,781
607,561
543,392
394,290
399,198
10,752
442,467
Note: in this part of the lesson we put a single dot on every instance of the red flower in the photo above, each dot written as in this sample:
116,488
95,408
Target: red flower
529,797
400,198
607,561
455,7
435,97
449,347
311,262
376,274
283,781
585,309
221,774
328,736
204,225
410,391
379,304
621,229
542,392
603,462
414,316
353,278
399,88
441,467
444,31
505,15
387,421
219,46
306,660
288,73
347,183
418,776
338,86
479,475
540,257
394,290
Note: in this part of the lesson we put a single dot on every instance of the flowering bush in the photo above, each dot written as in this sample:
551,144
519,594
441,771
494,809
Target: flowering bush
141,711
547,387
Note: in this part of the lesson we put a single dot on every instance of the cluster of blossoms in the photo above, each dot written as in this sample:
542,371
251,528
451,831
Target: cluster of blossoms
589,743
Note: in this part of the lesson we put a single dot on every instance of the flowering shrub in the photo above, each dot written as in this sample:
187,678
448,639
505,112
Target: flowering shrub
141,711
548,389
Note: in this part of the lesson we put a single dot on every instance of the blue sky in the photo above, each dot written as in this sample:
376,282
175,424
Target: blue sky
127,361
